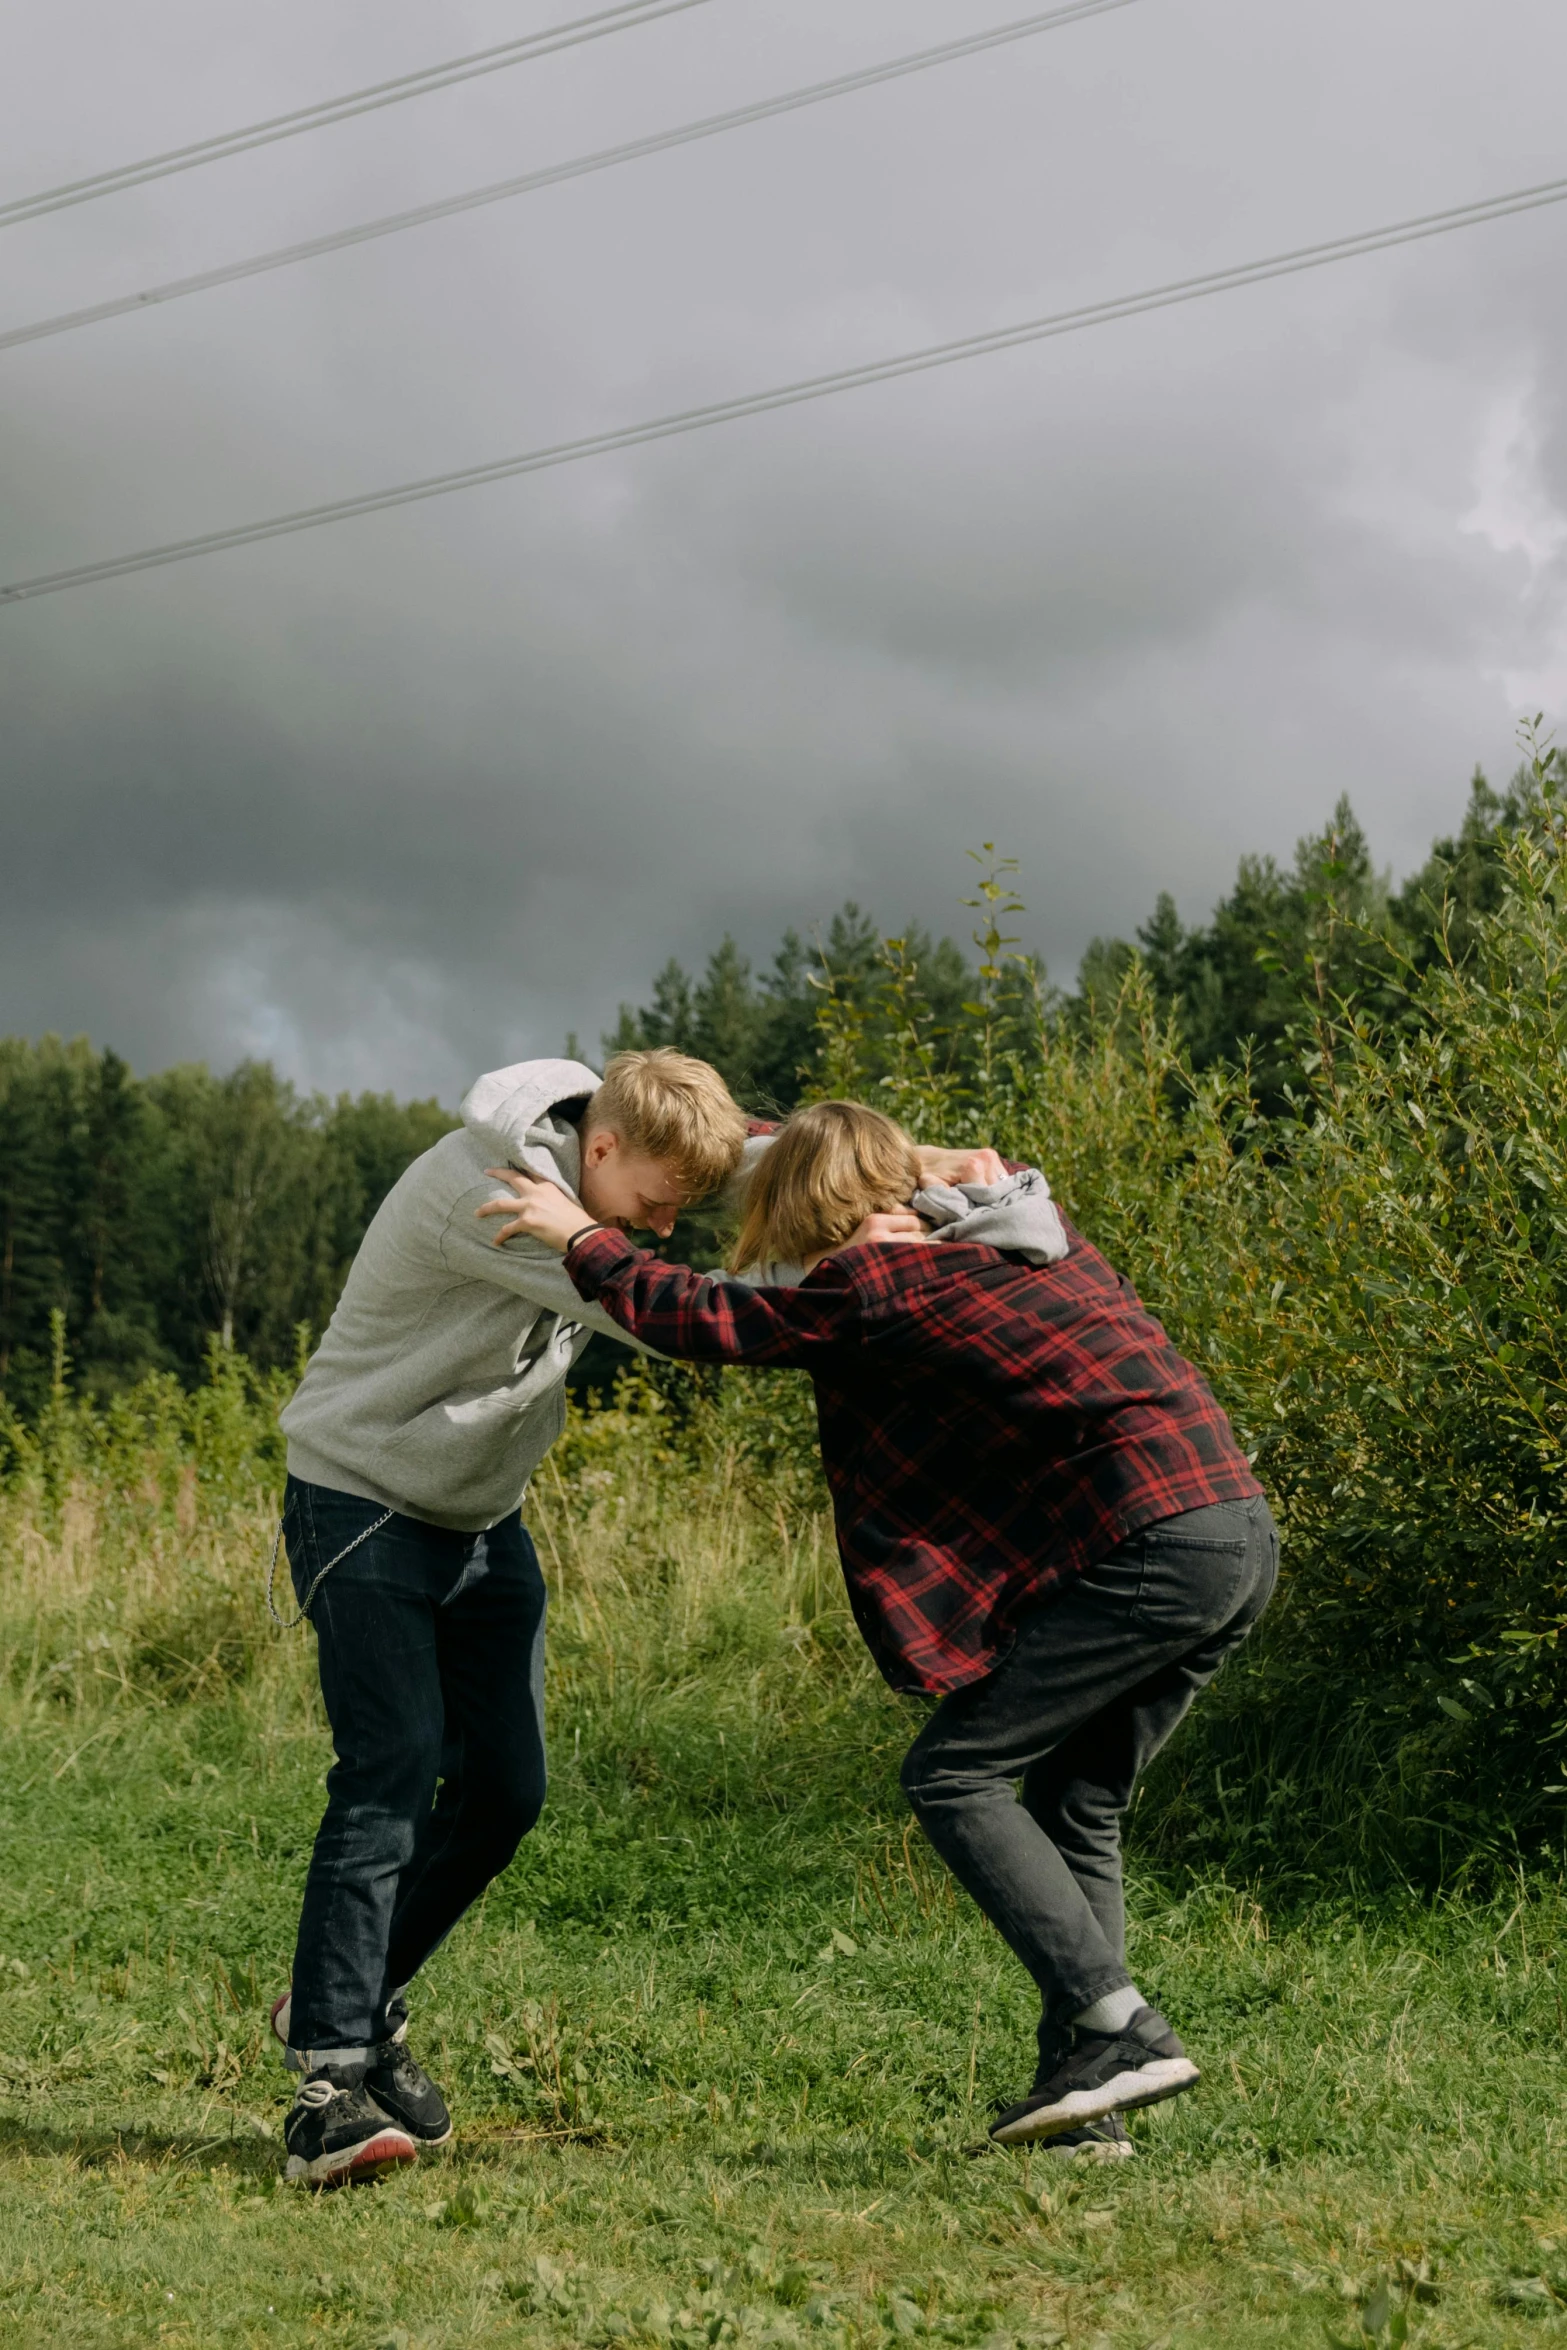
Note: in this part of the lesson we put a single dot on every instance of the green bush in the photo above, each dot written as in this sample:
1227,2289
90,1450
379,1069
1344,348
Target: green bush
1374,1286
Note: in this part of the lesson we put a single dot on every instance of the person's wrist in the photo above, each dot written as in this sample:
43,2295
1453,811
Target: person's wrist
581,1233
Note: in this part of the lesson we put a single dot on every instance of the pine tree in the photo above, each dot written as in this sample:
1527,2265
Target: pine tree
32,1278
726,1018
109,1244
786,1041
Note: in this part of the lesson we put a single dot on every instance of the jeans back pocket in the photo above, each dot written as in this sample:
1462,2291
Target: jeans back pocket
1197,1571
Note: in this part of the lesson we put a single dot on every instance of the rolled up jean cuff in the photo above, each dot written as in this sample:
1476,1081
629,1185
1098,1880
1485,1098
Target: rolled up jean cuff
315,2060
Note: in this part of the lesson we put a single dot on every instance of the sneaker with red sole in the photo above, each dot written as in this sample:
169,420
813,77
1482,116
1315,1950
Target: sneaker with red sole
337,2135
399,2085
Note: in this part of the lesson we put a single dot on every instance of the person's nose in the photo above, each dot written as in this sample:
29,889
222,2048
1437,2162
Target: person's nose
663,1222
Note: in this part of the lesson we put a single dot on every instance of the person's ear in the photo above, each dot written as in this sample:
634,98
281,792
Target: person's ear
600,1145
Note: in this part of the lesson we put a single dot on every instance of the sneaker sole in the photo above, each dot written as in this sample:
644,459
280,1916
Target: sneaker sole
419,2137
1149,2084
1107,2150
347,2166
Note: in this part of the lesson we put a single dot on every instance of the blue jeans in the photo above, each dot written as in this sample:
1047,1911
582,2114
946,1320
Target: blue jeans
1095,1682
431,1649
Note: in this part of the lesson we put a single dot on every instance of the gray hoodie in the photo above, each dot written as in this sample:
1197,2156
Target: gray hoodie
440,1383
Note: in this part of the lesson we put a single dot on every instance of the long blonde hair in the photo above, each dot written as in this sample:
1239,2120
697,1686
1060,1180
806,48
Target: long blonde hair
829,1166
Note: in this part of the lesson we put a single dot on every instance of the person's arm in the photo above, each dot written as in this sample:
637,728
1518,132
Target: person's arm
938,1165
699,1316
706,1317
523,1265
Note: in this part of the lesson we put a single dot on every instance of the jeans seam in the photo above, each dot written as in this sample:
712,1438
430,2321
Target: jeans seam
1116,1599
309,1544
1226,1549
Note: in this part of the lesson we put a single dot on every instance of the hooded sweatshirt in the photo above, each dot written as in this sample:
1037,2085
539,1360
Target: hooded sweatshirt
440,1383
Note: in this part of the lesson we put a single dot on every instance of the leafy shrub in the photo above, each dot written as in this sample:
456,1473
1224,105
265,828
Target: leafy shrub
1375,1287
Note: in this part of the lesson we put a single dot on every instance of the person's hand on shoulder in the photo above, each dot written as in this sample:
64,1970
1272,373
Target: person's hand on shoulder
966,1166
540,1210
887,1224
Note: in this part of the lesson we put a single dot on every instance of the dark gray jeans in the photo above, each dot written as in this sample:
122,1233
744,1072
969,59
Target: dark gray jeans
1095,1682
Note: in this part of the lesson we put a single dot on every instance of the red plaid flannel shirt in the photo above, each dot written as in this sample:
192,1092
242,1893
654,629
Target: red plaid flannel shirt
989,1428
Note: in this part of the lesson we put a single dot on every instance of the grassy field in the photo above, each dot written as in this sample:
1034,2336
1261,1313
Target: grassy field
722,2042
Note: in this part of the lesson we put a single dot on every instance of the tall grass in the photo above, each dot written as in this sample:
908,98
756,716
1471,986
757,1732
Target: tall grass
699,1631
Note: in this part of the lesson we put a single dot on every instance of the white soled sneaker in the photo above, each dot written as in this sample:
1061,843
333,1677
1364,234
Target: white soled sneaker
1102,2073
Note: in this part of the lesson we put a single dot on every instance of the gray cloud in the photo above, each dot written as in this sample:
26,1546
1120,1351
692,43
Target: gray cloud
399,799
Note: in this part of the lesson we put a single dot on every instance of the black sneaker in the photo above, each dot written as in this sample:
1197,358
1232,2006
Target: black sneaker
405,2091
1105,2141
336,2132
1102,2073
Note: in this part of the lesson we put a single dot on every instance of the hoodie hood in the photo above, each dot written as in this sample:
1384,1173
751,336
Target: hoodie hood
1017,1214
508,1113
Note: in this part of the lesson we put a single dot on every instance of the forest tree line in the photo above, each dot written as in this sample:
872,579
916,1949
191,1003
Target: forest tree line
165,1215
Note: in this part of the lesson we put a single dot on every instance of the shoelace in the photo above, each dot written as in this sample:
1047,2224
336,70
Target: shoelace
315,2093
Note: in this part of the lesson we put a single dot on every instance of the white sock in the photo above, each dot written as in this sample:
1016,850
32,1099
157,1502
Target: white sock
1113,2012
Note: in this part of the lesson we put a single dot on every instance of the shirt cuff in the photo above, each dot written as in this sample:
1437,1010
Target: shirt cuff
593,1256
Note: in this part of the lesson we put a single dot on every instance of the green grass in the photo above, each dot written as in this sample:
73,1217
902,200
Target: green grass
718,2071
720,2044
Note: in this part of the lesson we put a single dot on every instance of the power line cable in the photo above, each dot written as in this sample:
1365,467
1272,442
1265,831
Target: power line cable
815,387
330,110
657,143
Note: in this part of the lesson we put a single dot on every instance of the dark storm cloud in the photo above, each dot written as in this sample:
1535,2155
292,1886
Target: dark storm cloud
422,792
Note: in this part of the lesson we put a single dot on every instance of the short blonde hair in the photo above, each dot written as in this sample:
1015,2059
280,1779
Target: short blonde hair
674,1110
830,1166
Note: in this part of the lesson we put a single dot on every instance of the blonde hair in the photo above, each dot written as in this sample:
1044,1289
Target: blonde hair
830,1166
674,1110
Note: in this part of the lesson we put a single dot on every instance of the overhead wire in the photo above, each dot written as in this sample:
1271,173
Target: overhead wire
545,43
816,387
551,175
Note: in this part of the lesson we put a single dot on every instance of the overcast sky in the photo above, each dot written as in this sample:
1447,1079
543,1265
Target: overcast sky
406,797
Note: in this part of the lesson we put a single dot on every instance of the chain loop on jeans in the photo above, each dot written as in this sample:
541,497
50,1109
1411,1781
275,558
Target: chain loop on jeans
291,1623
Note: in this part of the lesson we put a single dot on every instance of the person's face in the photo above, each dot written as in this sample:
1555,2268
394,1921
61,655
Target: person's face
625,1188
